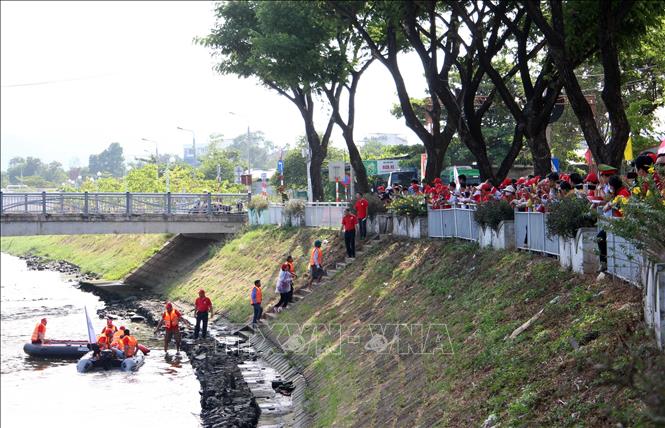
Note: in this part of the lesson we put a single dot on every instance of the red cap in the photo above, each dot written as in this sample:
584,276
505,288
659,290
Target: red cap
122,327
592,178
169,305
202,291
505,183
486,186
109,321
437,180
43,320
653,156
521,180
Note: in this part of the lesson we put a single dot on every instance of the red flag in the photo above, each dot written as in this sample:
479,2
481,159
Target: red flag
588,157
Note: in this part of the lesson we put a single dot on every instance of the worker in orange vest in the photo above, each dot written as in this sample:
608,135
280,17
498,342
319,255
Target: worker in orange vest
116,342
103,342
39,334
170,320
130,344
315,264
255,299
289,262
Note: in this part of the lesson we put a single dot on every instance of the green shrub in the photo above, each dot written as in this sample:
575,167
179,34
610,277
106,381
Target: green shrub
295,208
409,206
375,205
491,213
568,215
258,204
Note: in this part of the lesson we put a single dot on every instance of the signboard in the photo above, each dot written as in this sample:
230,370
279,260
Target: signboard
387,166
280,167
335,171
370,167
246,179
264,176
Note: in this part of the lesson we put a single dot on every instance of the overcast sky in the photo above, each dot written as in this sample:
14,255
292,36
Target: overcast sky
77,76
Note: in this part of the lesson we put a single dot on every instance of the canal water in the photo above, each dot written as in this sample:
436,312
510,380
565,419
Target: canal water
38,393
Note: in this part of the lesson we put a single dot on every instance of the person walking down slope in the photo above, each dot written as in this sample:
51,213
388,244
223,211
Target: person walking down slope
349,222
39,334
315,264
203,306
255,299
361,211
171,321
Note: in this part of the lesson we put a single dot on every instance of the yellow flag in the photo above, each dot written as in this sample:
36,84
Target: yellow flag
628,151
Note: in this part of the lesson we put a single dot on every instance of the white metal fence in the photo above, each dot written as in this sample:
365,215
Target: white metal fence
452,223
317,214
531,233
624,260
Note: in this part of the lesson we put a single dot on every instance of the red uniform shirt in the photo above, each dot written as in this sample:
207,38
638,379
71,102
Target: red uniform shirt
203,304
361,208
349,221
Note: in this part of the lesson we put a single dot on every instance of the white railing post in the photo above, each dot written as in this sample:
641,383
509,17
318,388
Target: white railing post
43,202
128,204
168,203
209,199
62,203
26,202
85,203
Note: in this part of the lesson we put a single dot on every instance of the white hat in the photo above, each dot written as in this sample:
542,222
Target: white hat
509,188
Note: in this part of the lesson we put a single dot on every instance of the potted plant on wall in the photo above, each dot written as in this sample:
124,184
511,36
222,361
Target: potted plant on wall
410,216
574,223
497,226
257,206
376,213
294,213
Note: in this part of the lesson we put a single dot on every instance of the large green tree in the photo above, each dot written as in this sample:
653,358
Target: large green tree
110,161
299,51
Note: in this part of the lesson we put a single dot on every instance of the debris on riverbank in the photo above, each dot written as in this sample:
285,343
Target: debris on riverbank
39,263
226,400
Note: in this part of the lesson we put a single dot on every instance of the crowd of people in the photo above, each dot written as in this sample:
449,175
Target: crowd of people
605,188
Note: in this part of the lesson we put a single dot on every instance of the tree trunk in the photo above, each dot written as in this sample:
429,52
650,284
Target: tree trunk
316,163
540,151
359,171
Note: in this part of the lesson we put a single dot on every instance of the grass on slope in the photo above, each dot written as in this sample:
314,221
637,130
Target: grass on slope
111,256
231,268
411,379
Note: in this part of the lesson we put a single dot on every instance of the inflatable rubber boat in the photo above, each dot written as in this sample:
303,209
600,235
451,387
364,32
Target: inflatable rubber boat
106,360
57,349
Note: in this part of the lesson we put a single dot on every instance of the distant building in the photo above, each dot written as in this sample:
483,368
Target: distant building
387,139
188,154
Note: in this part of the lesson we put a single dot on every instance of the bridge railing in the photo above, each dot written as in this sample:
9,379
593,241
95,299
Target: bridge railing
122,203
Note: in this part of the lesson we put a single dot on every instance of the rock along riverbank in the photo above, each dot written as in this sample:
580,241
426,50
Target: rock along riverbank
226,400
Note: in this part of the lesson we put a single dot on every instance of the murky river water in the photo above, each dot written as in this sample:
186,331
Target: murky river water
38,393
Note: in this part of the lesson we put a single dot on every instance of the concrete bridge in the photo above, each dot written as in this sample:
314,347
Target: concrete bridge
24,214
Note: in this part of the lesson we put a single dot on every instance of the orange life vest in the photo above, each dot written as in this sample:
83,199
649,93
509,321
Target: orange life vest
38,335
131,345
291,269
118,334
170,320
312,262
256,295
103,342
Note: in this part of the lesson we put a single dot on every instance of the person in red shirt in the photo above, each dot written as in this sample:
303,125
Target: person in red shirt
202,306
170,320
361,212
349,222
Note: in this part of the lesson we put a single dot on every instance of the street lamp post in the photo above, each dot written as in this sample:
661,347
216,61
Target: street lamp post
193,144
156,150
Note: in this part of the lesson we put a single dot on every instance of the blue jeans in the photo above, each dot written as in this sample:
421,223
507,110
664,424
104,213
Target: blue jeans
119,354
258,310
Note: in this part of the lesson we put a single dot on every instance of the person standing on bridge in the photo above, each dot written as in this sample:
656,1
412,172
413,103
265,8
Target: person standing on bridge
203,306
171,321
39,334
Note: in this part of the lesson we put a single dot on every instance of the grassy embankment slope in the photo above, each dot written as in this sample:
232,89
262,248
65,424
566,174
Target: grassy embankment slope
111,256
536,379
229,272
